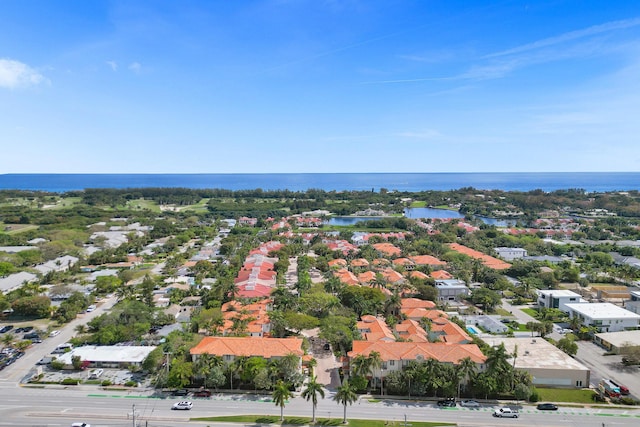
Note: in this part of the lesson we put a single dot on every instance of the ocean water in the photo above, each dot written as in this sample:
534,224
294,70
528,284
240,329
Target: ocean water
410,182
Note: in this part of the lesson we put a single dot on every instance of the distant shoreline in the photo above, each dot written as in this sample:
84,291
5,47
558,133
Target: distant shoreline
402,182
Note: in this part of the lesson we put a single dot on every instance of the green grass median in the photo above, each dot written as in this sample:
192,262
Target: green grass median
262,419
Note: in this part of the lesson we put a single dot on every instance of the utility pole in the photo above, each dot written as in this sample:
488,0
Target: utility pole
133,416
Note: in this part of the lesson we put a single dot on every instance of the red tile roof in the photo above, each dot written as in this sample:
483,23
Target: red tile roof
249,346
443,352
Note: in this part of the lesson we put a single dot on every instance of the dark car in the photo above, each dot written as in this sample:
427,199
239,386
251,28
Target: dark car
447,403
6,328
181,392
202,393
547,407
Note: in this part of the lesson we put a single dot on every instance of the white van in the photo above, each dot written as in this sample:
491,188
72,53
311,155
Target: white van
95,374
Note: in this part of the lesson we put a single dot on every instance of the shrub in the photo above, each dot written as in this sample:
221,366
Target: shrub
69,381
131,383
106,383
628,401
534,396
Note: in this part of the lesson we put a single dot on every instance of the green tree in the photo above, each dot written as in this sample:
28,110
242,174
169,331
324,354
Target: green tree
281,394
464,371
345,395
568,345
311,392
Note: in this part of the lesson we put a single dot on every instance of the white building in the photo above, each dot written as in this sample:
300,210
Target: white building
108,356
604,316
558,298
548,366
510,254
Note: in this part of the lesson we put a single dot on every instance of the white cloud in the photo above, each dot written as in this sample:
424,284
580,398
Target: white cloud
572,35
135,67
15,74
113,65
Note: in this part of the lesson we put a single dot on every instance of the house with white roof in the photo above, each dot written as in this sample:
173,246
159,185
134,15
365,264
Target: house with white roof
558,298
510,254
604,316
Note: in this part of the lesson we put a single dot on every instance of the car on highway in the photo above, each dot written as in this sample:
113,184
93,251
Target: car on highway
547,407
54,333
505,412
470,403
184,405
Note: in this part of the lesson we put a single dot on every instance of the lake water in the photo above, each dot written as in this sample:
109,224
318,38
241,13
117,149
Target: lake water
426,213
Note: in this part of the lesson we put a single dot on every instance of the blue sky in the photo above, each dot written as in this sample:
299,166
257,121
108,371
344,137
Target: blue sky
319,86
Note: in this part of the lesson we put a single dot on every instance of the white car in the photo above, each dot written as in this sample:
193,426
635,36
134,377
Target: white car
54,333
470,403
91,308
186,405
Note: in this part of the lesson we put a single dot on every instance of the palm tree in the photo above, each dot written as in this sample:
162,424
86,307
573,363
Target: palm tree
375,362
345,395
281,394
311,393
359,365
464,370
312,363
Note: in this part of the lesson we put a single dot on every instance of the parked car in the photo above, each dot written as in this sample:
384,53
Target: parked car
202,393
470,403
505,413
185,405
628,361
91,308
547,407
181,392
6,328
447,403
623,389
54,333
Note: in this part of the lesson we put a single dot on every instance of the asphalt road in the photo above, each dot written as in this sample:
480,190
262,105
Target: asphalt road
54,407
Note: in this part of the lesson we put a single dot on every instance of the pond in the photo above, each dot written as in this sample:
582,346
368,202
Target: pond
414,213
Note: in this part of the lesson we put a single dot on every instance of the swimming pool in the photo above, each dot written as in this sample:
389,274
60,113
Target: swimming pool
472,330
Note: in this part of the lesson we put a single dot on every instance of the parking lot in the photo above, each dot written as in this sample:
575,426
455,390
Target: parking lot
592,356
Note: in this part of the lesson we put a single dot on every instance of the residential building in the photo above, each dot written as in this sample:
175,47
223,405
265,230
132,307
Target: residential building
604,316
396,355
230,348
451,289
558,298
510,254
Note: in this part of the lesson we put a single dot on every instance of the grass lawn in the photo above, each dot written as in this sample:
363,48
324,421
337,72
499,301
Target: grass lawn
274,419
531,312
143,204
561,395
18,228
421,204
502,312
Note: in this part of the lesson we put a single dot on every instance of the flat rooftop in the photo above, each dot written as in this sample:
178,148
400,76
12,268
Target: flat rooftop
558,293
602,310
621,338
536,353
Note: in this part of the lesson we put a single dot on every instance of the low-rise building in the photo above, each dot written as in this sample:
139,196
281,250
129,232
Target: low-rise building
230,348
107,356
558,298
451,289
510,254
614,341
604,316
548,365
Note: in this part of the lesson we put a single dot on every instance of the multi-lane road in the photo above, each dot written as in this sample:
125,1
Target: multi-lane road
59,407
